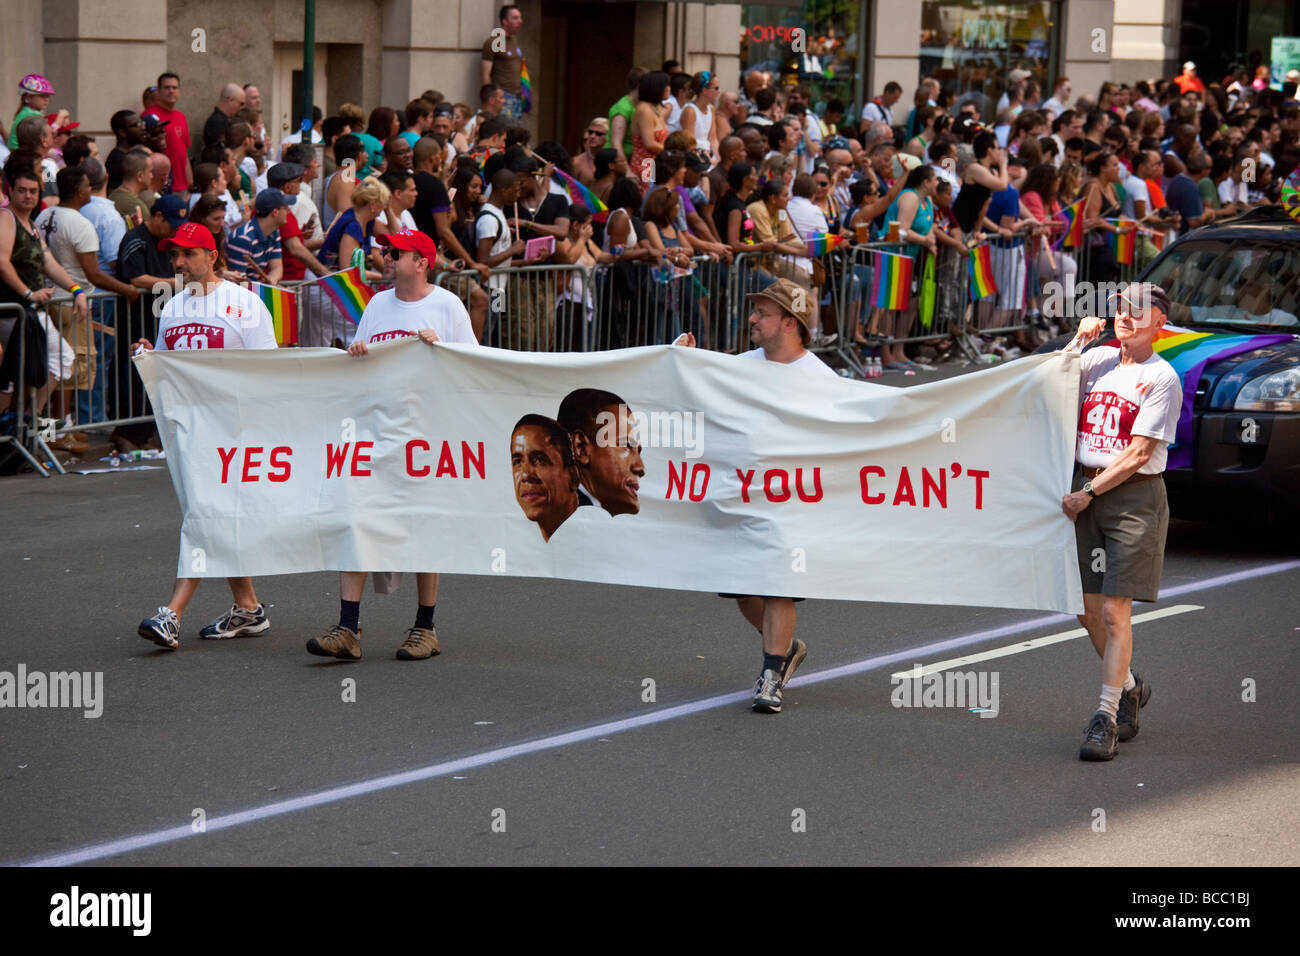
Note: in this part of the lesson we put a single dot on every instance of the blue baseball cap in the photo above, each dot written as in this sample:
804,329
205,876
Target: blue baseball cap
172,207
269,200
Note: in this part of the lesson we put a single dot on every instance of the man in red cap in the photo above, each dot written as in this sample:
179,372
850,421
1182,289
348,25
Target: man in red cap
208,313
412,307
780,326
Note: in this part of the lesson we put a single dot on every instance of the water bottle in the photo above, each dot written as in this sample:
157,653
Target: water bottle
114,459
877,369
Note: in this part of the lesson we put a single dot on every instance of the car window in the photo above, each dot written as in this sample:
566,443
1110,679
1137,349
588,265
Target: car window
1254,282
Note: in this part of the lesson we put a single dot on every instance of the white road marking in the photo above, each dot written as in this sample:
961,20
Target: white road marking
1036,643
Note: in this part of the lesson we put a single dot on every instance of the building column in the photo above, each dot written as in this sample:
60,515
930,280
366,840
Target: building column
1087,44
1145,39
895,54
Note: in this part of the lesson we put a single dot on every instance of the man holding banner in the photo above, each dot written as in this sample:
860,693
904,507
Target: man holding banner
1130,399
209,313
412,307
781,328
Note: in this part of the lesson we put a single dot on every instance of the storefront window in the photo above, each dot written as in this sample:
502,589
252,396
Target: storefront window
971,48
829,61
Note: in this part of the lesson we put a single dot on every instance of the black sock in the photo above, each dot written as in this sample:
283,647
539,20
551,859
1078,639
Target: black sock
424,616
350,615
773,662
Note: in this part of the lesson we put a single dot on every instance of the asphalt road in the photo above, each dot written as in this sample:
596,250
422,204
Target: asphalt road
533,718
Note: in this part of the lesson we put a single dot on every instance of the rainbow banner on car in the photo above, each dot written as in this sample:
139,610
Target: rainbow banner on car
980,266
891,280
820,243
1073,234
1189,352
349,292
283,306
1122,243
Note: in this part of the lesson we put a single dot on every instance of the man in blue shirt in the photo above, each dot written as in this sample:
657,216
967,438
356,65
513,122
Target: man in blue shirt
1184,197
254,248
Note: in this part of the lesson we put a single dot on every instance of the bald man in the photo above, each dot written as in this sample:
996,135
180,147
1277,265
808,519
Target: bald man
160,168
230,102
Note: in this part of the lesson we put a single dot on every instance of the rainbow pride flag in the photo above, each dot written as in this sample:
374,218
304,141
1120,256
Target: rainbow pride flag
526,82
349,292
891,280
979,264
1073,234
820,243
283,306
1189,352
578,192
1122,243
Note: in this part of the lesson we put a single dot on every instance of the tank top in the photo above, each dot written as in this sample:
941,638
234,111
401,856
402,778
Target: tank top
674,121
703,126
921,222
966,207
28,260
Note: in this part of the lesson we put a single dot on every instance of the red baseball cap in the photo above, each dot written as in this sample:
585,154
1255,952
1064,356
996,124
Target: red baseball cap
412,240
191,235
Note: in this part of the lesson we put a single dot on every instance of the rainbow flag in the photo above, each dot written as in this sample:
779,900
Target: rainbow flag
349,291
578,192
526,82
283,306
1189,352
1122,243
820,243
891,280
980,266
1073,234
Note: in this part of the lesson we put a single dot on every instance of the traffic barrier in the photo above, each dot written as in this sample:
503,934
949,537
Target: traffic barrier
22,415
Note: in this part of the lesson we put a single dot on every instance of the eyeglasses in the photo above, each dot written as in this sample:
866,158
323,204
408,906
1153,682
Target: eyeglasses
393,253
595,132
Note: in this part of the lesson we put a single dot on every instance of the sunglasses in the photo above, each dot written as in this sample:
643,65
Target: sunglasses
392,252
595,132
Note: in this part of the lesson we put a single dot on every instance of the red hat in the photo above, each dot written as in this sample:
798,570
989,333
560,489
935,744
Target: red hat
191,235
412,240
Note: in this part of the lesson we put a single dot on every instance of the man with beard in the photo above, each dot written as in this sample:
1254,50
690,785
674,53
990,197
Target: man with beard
606,449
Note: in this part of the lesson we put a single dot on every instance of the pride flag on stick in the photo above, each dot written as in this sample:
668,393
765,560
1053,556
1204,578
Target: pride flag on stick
1073,216
980,265
1121,243
580,193
349,292
283,306
891,281
820,243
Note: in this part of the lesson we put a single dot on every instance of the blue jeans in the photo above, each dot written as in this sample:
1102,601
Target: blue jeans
91,403
514,107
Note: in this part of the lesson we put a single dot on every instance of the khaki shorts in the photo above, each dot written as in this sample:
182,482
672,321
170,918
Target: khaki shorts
1121,539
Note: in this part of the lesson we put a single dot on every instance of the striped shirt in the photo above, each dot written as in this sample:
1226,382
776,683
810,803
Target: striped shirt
248,244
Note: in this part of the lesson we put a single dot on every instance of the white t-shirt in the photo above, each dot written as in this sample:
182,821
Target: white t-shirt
228,317
1120,401
388,317
815,134
67,232
1229,192
1135,188
878,113
807,219
408,221
808,361
486,228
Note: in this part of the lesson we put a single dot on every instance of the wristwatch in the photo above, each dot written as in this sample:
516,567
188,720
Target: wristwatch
1087,486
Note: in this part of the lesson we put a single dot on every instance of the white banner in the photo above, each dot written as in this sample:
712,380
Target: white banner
752,477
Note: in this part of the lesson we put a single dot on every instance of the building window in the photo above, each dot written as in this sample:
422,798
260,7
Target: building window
971,48
828,63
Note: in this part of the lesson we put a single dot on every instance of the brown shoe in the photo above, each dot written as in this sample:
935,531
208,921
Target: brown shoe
419,644
69,444
338,642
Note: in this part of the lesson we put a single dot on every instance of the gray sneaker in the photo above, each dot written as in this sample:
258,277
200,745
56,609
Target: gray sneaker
237,622
798,651
767,692
1130,702
164,629
1100,741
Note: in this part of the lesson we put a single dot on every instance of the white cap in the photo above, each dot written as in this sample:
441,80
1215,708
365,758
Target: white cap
1189,65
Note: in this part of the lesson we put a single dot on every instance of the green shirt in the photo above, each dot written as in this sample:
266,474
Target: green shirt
1209,194
624,108
21,115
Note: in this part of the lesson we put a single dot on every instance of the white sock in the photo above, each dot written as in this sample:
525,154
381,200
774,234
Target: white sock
1129,682
1109,700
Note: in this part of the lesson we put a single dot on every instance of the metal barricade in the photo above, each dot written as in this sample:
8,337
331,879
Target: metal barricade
15,323
543,308
1006,310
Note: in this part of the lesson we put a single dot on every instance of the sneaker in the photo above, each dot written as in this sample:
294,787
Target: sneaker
1100,741
798,651
338,642
767,692
1130,702
164,629
419,644
237,623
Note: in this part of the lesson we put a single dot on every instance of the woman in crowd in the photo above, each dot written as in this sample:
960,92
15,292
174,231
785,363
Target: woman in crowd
1101,203
913,210
649,129
698,115
350,237
775,233
611,165
209,180
1039,199
466,203
730,215
980,180
210,211
824,198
